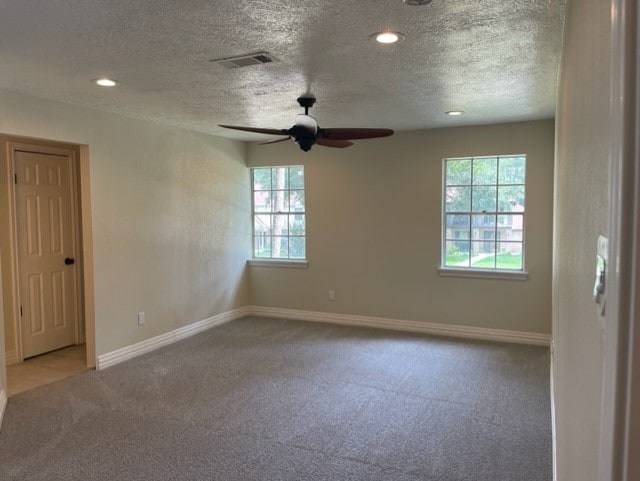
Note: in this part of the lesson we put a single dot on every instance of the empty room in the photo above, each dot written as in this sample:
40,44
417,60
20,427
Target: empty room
304,240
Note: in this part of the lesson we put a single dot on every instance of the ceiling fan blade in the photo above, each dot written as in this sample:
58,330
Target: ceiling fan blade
275,141
257,130
340,144
352,134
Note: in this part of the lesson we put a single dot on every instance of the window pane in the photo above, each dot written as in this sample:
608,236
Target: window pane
484,199
458,172
262,179
297,248
457,226
262,201
296,200
280,201
483,254
511,198
280,224
512,170
296,178
509,255
485,171
280,247
457,254
296,224
458,199
279,178
262,246
486,261
262,224
512,248
510,226
483,227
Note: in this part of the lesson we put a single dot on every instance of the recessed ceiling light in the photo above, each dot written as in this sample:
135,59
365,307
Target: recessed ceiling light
105,82
454,113
387,37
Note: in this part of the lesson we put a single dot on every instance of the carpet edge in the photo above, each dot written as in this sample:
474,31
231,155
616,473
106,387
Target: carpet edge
112,358
466,332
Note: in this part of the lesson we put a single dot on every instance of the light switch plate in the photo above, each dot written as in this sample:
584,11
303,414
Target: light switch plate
599,287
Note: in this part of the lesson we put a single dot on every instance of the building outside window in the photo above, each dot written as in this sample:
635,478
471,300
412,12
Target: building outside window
278,210
483,213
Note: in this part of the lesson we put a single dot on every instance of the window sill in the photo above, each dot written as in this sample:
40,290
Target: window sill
294,264
483,273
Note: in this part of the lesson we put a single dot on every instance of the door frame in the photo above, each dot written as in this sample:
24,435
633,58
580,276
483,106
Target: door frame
620,420
83,235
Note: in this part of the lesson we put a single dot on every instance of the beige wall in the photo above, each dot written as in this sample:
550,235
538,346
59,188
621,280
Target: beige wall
581,213
170,215
373,230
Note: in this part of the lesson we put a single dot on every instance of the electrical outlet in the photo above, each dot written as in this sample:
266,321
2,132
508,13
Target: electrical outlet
332,295
140,318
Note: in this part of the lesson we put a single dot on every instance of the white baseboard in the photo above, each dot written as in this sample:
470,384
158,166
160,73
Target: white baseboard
554,432
3,405
467,332
11,357
109,359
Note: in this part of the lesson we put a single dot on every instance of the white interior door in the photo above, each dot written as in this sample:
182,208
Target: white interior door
46,251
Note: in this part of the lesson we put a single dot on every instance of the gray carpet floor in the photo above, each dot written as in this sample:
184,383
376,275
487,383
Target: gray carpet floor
268,399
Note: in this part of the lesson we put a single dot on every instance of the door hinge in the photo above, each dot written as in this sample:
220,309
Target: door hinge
15,177
20,311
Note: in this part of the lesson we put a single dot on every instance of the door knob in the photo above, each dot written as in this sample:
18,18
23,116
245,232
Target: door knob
69,260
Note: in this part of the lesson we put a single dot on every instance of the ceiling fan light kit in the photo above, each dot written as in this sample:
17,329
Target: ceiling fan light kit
305,131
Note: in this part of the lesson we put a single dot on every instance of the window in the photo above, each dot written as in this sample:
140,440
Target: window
278,213
483,213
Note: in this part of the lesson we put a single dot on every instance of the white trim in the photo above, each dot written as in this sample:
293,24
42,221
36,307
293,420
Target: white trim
483,273
467,332
112,358
3,405
618,446
554,431
296,264
11,357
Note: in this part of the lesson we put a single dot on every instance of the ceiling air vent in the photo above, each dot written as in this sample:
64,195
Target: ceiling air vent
245,60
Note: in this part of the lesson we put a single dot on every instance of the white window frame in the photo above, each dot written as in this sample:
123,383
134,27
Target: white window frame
469,271
295,262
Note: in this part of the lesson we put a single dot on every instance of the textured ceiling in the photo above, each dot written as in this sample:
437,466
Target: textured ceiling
495,59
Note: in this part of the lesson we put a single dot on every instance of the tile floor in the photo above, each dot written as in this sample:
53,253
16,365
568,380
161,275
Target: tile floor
46,368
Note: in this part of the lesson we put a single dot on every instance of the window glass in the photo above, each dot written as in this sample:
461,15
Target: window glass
278,212
484,213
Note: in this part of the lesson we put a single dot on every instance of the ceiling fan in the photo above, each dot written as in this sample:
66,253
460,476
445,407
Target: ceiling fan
306,132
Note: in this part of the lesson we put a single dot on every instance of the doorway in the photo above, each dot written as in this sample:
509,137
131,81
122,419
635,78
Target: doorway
46,248
46,223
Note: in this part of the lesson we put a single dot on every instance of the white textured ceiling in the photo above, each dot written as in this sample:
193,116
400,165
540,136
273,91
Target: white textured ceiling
495,59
